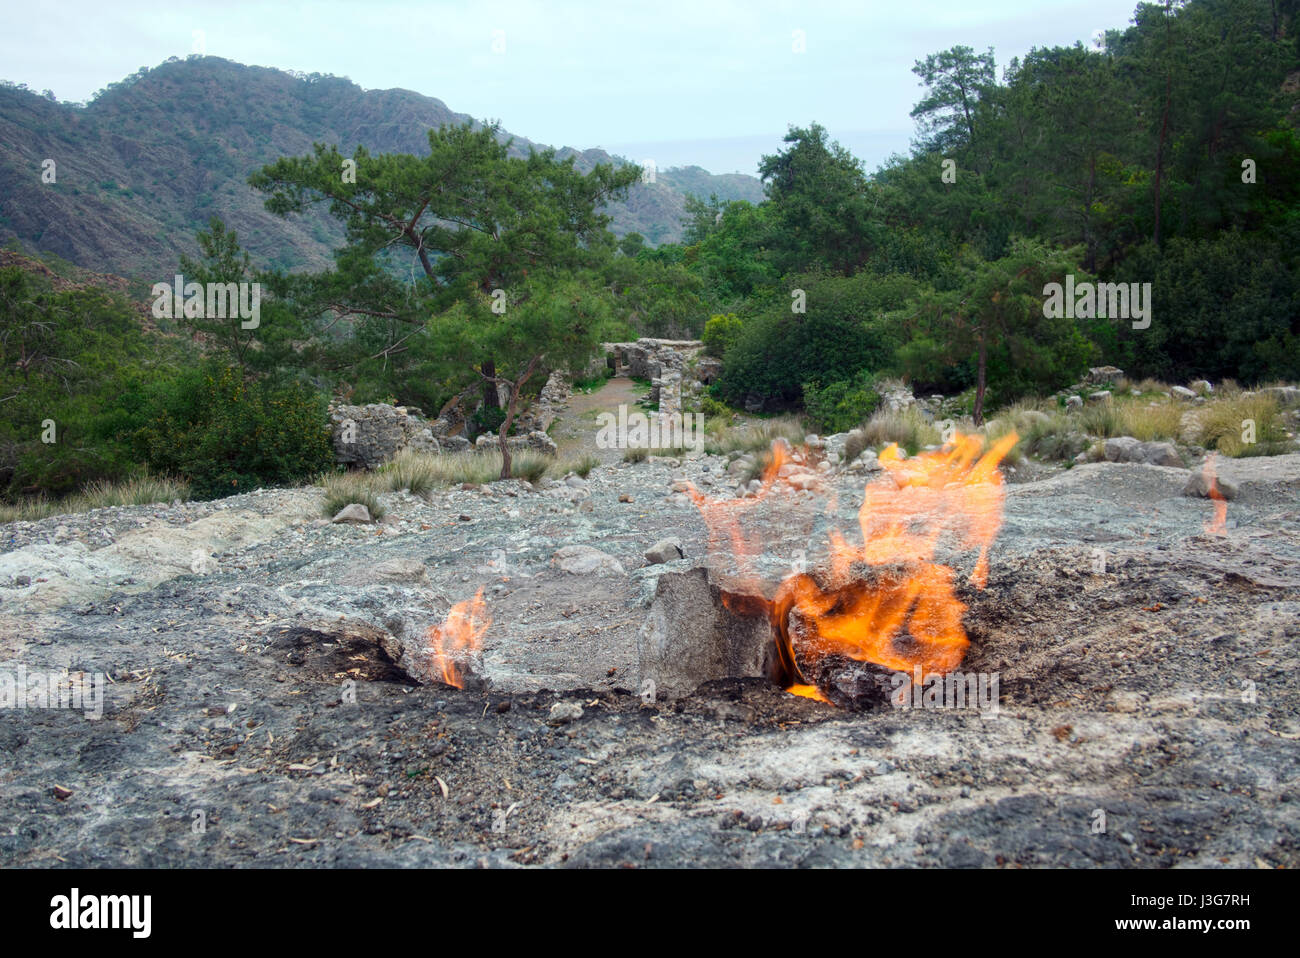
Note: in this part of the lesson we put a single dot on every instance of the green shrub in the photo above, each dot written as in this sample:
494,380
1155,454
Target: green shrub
488,419
848,327
227,436
720,332
712,409
843,405
581,466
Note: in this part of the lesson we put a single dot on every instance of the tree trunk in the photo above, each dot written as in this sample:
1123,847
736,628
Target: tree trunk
505,428
980,380
1160,155
515,388
490,398
1164,123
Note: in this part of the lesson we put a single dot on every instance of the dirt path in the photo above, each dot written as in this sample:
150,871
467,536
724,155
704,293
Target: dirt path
575,428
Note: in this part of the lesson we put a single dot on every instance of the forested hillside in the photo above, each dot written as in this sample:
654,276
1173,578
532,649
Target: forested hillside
1153,182
152,157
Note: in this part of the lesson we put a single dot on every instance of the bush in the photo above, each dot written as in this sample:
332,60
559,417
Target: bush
710,408
227,436
415,472
140,490
847,329
842,405
488,419
720,332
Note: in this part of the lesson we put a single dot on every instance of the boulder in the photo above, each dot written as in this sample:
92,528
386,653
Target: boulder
1120,448
1099,397
1073,402
355,512
1182,392
1105,375
585,560
1128,449
1285,395
400,570
1198,485
691,635
665,550
371,435
1157,454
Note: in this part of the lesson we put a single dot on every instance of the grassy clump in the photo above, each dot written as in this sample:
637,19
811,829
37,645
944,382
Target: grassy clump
907,427
345,488
580,466
1102,419
1225,426
140,490
421,473
757,437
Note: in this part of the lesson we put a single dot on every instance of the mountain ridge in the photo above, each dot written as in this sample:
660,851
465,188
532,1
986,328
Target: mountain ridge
139,169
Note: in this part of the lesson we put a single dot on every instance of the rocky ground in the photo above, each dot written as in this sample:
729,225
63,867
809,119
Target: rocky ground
263,708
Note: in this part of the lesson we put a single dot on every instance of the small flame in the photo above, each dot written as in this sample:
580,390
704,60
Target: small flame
1216,525
457,638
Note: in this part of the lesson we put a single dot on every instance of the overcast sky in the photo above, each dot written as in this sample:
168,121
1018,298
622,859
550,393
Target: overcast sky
708,82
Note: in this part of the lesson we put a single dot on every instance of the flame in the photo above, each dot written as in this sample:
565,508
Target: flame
905,613
1216,525
457,638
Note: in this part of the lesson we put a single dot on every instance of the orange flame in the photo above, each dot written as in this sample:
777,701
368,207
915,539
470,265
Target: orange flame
1216,525
908,615
457,638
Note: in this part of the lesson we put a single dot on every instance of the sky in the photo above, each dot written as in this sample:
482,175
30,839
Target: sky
712,83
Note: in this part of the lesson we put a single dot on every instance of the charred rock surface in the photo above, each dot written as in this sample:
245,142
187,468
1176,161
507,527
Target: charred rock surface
1147,670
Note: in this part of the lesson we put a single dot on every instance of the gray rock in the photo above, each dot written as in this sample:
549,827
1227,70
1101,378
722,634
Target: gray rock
1198,485
1120,449
401,570
1285,395
1101,396
455,444
562,713
665,550
1157,454
1105,374
355,512
371,435
584,560
1182,392
1128,449
690,636
1073,402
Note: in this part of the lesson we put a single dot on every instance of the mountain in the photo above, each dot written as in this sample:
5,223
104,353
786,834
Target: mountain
150,159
